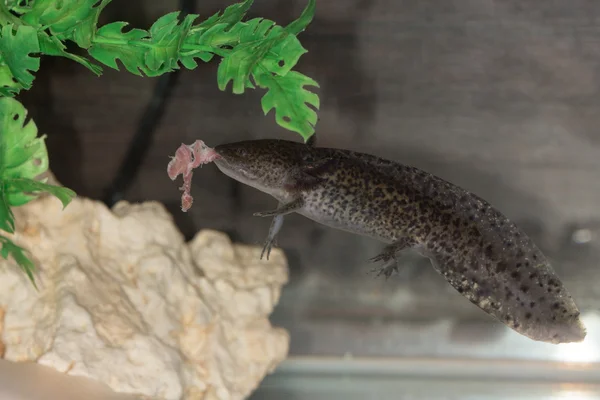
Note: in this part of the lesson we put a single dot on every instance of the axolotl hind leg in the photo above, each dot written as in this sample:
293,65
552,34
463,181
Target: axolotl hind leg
390,255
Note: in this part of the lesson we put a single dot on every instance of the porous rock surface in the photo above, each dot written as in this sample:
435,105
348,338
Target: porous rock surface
124,300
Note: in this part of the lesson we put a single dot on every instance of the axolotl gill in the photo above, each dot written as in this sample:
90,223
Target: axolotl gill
482,254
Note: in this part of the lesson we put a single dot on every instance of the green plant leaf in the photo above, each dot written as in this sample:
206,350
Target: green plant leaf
22,153
260,40
18,253
167,36
290,100
16,189
267,53
16,45
74,20
111,44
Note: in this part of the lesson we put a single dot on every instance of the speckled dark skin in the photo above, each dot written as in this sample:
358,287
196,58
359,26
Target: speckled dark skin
479,251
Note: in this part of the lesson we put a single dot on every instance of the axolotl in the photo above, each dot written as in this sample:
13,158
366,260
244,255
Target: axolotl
480,253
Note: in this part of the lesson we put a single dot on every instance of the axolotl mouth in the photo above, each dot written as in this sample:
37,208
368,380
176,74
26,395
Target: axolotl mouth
188,157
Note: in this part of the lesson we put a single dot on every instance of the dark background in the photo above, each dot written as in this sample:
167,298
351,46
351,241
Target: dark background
499,96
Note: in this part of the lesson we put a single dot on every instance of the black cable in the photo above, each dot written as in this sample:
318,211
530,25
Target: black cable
140,144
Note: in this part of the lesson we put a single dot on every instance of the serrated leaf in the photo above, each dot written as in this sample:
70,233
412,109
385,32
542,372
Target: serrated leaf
167,36
112,44
52,46
74,20
8,248
267,53
15,50
22,153
287,95
16,189
256,42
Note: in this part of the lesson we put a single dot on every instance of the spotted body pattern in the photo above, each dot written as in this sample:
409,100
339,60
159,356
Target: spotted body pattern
482,254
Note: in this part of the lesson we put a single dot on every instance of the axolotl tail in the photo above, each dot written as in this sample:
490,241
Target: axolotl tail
522,292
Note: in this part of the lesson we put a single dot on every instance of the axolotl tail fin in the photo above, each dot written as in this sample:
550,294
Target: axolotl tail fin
530,298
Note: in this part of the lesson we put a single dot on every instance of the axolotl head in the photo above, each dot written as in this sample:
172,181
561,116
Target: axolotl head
265,165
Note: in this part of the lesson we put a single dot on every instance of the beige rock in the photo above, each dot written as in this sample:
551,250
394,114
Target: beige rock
125,301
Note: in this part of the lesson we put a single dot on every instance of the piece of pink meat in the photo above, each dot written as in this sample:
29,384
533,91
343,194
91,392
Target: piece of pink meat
188,157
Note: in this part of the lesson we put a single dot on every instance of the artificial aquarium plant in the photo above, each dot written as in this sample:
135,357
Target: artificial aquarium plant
254,53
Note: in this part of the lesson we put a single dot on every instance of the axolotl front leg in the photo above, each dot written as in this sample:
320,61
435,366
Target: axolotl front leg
299,180
278,215
271,241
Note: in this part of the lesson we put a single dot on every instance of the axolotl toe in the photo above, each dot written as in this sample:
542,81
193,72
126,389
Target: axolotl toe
482,254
